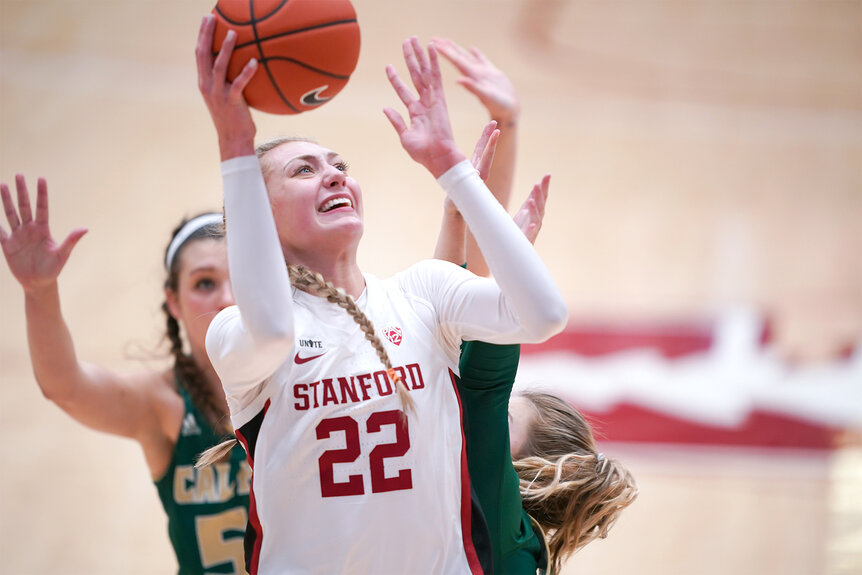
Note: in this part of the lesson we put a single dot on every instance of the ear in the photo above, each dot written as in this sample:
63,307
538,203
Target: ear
173,302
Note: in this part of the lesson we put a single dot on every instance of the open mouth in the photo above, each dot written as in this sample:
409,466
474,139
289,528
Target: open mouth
335,203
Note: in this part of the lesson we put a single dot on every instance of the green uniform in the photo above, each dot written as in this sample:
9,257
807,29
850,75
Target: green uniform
207,508
487,376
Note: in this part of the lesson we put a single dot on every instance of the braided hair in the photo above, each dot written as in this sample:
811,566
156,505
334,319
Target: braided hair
187,372
314,283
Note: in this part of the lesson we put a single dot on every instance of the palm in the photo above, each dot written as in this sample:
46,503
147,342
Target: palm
34,258
424,133
32,254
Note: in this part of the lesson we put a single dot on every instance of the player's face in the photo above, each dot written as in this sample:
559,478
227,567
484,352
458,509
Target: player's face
521,417
316,205
203,289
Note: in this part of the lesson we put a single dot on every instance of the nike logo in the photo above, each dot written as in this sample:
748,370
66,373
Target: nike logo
300,360
313,98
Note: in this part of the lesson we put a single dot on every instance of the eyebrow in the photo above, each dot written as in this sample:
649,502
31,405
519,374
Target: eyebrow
199,269
310,158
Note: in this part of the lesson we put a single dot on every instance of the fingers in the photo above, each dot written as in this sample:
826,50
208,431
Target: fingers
396,120
414,58
24,211
532,212
542,196
404,93
486,147
223,58
424,69
454,53
9,208
240,82
435,66
204,52
466,62
42,201
482,143
479,56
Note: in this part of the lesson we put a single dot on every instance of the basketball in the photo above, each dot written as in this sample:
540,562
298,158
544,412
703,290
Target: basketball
306,50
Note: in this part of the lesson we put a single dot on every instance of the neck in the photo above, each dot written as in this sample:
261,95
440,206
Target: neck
342,270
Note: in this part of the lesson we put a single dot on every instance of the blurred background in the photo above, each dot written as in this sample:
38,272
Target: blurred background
704,224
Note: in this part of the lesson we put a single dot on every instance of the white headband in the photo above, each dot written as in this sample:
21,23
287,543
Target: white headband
186,231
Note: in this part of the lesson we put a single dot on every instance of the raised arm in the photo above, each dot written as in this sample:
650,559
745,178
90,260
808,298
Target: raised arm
528,290
246,342
96,397
497,94
452,239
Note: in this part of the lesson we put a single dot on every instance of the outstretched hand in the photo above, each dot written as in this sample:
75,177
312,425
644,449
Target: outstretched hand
482,79
226,104
34,258
428,139
531,213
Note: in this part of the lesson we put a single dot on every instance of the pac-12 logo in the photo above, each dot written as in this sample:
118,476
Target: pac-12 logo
393,334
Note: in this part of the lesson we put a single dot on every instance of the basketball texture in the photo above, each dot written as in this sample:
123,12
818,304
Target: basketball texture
306,49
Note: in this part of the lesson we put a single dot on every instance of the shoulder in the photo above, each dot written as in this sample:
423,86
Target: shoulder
166,395
221,325
430,273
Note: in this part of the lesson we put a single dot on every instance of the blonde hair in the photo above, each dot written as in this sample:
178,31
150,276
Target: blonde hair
314,283
573,492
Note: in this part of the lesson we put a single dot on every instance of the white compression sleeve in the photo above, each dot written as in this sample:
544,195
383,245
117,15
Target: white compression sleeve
515,265
253,343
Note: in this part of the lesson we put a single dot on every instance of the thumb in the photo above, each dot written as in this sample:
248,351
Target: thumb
70,242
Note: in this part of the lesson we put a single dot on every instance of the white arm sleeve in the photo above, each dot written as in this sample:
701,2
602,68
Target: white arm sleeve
249,341
526,285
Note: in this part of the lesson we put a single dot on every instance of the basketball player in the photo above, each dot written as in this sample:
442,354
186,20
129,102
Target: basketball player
173,414
538,519
559,493
359,466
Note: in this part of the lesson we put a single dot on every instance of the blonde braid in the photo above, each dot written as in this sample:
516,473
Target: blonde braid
315,284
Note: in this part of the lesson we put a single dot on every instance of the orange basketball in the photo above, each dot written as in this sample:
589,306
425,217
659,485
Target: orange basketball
306,50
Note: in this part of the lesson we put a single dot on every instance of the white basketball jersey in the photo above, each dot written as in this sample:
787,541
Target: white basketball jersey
344,480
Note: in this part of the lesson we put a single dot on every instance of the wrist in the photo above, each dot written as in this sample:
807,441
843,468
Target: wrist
41,291
233,145
441,164
506,121
507,117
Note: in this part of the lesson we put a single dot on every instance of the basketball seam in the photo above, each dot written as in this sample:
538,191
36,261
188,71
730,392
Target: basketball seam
297,31
269,73
306,66
264,60
238,23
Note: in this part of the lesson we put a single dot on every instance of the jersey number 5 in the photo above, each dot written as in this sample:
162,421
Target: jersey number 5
354,484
